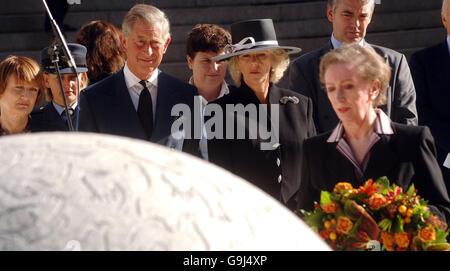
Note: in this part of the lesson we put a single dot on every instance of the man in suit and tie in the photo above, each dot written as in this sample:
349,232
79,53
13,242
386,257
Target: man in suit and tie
53,116
430,69
350,19
137,101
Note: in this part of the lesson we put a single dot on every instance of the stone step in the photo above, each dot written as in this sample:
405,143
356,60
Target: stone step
285,29
217,15
177,52
407,5
408,39
229,14
36,6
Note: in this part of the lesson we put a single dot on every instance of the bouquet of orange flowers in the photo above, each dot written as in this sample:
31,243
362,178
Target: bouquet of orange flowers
376,215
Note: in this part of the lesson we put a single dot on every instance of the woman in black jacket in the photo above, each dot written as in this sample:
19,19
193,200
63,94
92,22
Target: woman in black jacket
366,144
263,126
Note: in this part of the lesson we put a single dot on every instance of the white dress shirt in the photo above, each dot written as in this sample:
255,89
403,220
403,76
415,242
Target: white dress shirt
135,88
61,109
203,144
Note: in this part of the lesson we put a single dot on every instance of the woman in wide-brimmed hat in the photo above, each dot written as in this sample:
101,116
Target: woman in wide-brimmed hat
268,160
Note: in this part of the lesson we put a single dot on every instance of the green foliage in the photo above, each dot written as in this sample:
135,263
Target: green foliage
398,224
355,227
384,183
316,218
325,198
441,236
385,225
411,190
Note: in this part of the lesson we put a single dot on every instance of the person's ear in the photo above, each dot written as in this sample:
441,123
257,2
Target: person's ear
189,61
84,81
375,89
123,42
166,44
444,20
330,13
46,80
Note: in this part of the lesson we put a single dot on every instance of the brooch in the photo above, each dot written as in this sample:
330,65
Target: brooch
286,99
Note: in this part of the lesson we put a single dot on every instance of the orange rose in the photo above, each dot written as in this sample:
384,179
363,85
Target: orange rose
401,239
329,208
342,188
376,201
388,241
427,234
344,225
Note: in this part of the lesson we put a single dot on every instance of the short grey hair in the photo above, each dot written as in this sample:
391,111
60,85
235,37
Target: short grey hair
444,8
334,3
148,14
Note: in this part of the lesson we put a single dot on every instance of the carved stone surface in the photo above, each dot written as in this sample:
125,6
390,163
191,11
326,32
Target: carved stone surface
81,191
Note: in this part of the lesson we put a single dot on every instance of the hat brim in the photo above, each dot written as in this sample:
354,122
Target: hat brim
289,50
67,70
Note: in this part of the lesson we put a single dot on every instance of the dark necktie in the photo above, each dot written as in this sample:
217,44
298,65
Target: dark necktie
63,114
145,109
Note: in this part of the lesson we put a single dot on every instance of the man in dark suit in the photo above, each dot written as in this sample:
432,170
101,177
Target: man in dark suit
53,116
350,19
138,100
430,69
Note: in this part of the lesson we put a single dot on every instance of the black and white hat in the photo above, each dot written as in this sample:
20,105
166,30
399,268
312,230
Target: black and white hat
253,35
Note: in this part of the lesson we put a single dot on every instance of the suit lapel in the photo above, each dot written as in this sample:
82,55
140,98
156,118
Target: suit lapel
166,97
275,94
337,165
442,64
382,157
52,120
123,111
52,116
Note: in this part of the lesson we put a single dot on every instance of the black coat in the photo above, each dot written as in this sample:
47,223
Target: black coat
405,157
263,168
430,69
47,119
106,107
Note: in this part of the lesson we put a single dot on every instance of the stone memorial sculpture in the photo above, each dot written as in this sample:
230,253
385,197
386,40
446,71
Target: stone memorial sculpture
82,191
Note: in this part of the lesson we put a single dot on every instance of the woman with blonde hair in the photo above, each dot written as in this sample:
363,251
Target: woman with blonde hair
20,91
268,160
366,144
